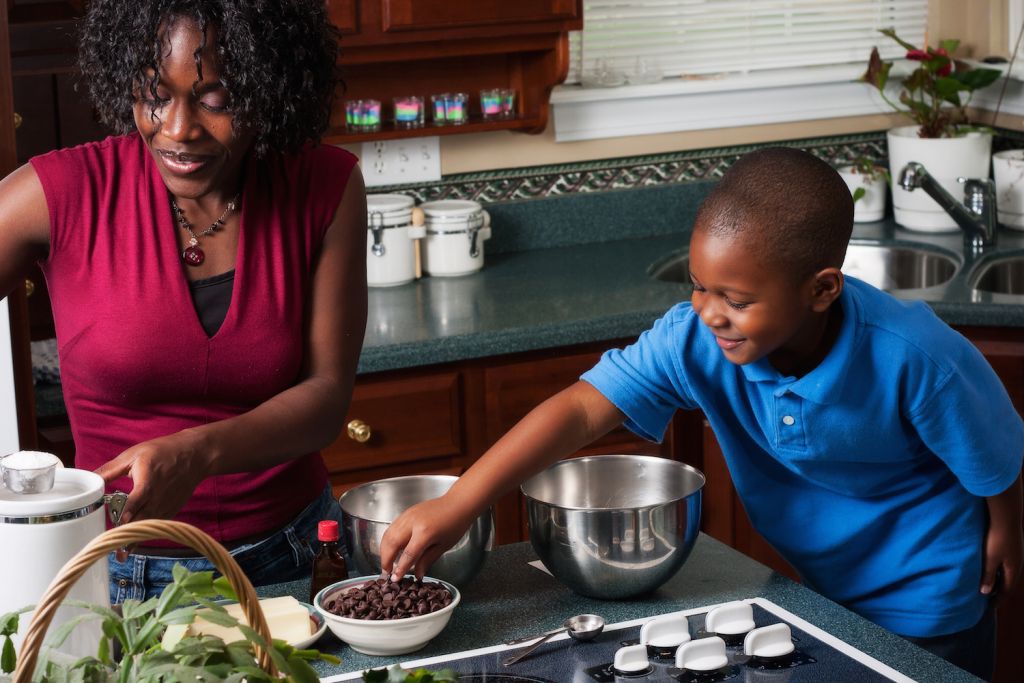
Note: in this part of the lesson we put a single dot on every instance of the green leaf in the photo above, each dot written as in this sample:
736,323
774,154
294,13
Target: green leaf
223,587
182,615
301,671
57,637
8,659
891,33
859,194
375,676
949,45
948,90
9,621
975,79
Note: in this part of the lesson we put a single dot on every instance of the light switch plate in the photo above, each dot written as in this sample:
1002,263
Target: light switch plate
397,162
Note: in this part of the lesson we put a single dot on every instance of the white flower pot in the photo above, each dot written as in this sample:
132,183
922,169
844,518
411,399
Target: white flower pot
871,206
945,159
1008,169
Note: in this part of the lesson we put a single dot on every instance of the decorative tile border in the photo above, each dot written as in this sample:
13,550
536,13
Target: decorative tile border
628,172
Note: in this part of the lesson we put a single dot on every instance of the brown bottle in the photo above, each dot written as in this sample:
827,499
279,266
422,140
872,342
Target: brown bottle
328,565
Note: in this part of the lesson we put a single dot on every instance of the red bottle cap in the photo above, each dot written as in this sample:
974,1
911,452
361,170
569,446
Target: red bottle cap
327,530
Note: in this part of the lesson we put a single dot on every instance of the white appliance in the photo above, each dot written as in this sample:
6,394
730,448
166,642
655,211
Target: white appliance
8,406
39,533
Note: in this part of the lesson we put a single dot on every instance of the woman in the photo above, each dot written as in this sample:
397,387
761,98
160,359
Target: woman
207,275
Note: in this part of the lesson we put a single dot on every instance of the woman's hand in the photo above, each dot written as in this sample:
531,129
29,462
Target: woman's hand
164,473
422,534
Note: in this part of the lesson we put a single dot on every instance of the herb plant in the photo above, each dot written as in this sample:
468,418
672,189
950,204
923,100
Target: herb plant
396,674
129,650
932,96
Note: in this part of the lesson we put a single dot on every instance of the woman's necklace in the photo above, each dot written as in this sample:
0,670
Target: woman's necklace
193,254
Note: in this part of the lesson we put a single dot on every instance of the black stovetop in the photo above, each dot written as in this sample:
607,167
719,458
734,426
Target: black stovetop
817,658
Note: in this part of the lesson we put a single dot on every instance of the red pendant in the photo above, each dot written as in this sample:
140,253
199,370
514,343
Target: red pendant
193,256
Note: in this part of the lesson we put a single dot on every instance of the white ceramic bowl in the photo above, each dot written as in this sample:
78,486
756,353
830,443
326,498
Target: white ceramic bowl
388,636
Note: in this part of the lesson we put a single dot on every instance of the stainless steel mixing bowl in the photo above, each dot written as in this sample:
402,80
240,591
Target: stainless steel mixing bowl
614,526
370,508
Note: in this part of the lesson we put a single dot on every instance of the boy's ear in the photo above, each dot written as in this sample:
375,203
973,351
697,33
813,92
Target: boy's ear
826,286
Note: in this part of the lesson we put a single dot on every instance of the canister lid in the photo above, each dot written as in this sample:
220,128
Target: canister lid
72,489
450,209
389,209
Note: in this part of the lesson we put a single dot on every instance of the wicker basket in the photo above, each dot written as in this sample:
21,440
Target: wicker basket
130,534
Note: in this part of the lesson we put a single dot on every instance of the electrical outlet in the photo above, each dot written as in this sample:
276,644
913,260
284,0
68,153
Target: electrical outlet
398,162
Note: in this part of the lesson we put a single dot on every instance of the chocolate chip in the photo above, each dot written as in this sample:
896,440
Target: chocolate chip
384,599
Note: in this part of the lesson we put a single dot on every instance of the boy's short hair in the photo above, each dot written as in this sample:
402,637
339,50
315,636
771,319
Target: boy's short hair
794,207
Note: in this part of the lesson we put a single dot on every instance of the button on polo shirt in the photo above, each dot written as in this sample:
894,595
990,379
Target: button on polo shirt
867,473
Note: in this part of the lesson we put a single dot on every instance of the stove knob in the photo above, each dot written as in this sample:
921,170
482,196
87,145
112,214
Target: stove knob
731,619
702,655
631,660
769,641
671,630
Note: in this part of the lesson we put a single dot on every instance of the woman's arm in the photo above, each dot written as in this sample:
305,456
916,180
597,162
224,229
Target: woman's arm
1004,542
556,428
302,419
24,226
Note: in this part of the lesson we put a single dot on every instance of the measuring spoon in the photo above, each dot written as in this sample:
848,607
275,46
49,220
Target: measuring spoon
581,627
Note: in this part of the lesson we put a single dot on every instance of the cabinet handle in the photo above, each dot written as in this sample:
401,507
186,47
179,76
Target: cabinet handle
17,120
359,431
30,287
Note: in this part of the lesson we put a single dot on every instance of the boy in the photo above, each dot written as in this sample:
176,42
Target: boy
870,444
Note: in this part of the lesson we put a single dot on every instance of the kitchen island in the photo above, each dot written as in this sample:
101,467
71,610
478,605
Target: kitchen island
510,598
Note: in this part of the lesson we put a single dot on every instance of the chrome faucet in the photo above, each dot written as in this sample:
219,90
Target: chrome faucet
976,216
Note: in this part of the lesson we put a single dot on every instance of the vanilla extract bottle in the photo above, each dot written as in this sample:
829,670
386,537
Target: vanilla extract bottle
328,565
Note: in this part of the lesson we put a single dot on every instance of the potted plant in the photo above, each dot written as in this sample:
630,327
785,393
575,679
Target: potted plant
935,97
867,181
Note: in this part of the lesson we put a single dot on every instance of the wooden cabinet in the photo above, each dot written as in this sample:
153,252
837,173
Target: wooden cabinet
439,420
393,48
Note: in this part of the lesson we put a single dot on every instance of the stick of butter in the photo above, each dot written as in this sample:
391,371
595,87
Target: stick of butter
287,618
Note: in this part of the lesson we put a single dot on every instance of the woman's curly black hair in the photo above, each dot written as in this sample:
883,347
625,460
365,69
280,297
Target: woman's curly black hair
278,60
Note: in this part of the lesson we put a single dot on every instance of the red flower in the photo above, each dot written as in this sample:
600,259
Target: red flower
946,68
917,55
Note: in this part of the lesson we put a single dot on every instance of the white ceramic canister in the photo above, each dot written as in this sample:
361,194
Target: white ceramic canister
456,231
39,533
870,206
1008,170
390,240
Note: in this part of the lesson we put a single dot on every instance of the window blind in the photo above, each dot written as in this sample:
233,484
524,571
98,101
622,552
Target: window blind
701,37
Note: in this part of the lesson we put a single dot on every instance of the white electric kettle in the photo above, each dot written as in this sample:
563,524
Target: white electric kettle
39,533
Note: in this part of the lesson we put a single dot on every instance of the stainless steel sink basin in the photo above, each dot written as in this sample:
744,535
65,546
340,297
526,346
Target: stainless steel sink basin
889,267
1003,276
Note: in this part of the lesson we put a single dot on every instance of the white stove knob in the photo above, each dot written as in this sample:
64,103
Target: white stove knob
769,641
703,654
671,630
631,659
731,619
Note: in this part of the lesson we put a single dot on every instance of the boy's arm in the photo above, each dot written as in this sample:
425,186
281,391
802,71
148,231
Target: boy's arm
1004,542
556,428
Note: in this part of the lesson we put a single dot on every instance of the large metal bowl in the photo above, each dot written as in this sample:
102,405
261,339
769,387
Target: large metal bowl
370,508
614,526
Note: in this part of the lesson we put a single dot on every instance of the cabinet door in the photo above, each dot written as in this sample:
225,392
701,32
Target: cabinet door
406,15
398,426
512,390
344,14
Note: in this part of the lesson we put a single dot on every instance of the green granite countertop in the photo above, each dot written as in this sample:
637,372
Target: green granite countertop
510,599
559,296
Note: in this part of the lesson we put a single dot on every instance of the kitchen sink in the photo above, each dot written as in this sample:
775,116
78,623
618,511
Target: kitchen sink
888,267
1002,276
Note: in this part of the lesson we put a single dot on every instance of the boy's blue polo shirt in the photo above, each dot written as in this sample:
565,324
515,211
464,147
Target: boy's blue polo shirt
868,473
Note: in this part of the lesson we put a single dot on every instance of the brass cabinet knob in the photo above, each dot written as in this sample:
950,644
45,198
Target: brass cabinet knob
359,431
17,120
30,287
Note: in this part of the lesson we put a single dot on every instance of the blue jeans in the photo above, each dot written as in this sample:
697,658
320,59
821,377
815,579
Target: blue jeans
285,555
973,649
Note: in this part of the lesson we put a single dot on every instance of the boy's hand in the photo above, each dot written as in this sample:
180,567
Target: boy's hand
420,535
1004,542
